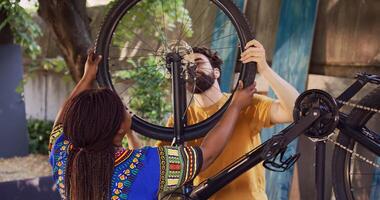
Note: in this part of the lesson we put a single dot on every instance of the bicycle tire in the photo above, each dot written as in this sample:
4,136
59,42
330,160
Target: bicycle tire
341,163
142,126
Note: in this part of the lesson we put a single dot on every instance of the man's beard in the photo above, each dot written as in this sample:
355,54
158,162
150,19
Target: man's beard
203,82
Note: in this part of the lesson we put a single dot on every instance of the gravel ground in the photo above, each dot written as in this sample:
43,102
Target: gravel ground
18,168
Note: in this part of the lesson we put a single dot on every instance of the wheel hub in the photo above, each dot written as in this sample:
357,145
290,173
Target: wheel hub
177,51
182,48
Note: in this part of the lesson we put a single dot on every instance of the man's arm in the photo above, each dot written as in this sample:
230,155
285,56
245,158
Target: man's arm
282,108
86,82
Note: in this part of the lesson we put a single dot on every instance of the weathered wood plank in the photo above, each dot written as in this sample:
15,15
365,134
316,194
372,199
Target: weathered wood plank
347,33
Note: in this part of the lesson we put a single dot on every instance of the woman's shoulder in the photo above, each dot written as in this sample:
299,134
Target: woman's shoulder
55,135
127,155
132,169
59,146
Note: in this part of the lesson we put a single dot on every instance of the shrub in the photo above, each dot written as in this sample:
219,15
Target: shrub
39,132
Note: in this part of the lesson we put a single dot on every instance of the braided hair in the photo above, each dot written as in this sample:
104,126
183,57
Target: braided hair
91,121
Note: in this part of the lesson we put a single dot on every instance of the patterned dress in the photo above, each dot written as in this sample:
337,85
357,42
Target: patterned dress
138,174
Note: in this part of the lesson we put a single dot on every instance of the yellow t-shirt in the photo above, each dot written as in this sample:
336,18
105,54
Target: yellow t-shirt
251,184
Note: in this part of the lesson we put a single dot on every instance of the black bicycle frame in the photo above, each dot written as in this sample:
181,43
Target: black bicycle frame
173,60
320,156
265,151
278,143
363,135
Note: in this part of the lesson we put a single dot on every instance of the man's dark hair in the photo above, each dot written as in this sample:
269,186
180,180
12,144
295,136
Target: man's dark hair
215,60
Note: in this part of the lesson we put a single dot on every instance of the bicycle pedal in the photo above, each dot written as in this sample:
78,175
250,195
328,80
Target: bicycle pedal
279,163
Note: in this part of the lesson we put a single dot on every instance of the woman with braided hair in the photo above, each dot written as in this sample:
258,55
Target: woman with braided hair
89,162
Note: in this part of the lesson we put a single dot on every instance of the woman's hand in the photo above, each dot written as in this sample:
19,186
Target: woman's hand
90,70
255,52
243,97
133,140
91,66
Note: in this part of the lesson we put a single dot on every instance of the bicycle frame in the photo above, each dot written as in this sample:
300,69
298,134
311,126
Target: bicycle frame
364,136
278,143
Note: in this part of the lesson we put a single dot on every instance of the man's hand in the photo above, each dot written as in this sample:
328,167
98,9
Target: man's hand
243,97
91,66
281,109
255,52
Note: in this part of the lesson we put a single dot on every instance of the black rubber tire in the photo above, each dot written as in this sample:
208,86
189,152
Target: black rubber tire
340,163
154,131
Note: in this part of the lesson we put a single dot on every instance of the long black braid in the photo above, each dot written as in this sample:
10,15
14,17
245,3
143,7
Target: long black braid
91,121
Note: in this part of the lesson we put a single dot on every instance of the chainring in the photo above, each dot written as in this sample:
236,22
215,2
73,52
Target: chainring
313,99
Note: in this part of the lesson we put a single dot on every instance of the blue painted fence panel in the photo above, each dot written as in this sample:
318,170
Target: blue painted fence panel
291,61
375,192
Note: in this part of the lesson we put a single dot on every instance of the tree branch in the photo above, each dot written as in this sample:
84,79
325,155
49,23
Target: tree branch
70,24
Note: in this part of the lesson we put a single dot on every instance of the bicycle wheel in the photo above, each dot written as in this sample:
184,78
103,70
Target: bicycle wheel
354,178
137,35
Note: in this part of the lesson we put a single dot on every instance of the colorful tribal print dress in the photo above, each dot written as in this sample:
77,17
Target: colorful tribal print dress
138,174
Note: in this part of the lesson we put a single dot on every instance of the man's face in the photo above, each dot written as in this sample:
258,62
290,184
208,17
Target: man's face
203,74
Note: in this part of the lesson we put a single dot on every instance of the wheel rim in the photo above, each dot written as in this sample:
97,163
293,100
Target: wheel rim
107,77
359,179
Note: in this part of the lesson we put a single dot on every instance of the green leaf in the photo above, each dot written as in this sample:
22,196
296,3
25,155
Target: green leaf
39,132
23,27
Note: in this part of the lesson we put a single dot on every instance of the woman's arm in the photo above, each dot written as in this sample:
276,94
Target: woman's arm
133,140
86,82
282,109
217,138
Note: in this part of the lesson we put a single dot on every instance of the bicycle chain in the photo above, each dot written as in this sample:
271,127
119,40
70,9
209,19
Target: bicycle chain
363,158
358,106
329,137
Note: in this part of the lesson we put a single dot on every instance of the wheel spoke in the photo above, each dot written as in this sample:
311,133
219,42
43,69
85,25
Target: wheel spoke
131,57
140,49
193,23
220,48
210,36
208,25
162,36
163,20
208,83
187,19
226,36
137,35
122,69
